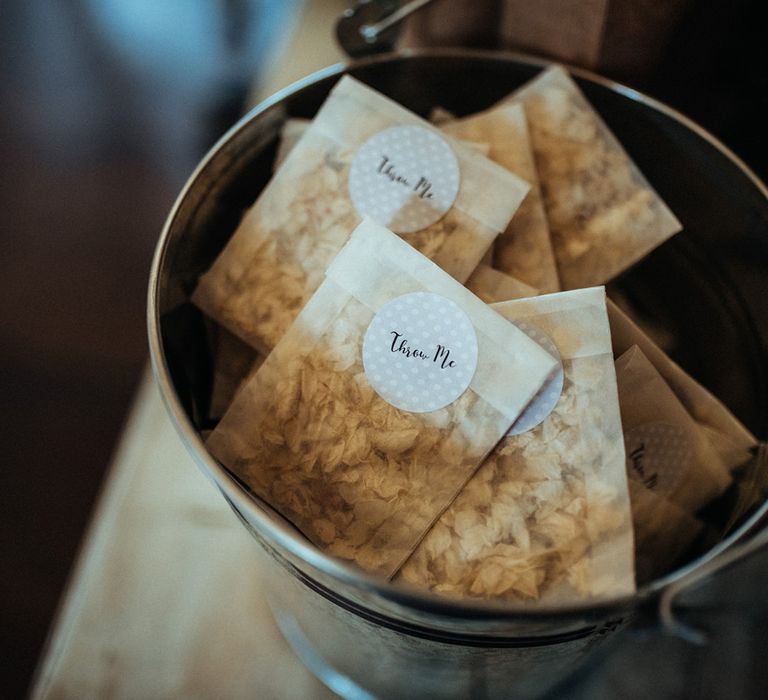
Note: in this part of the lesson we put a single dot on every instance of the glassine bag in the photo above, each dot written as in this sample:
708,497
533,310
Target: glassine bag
603,214
363,156
379,403
547,515
290,133
663,532
727,435
233,361
293,129
523,249
492,285
666,449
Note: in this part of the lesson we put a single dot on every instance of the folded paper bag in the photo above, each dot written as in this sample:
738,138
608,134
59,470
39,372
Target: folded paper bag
379,403
663,532
290,133
667,451
547,515
233,361
492,285
728,435
293,129
603,214
524,249
363,156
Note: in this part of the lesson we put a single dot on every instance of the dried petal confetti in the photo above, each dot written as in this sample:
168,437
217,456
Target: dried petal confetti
362,479
666,450
524,249
278,254
603,214
547,515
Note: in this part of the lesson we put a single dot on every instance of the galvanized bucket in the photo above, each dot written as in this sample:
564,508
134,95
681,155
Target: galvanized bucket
366,637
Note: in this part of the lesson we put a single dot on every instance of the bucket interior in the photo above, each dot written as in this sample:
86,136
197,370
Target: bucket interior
701,289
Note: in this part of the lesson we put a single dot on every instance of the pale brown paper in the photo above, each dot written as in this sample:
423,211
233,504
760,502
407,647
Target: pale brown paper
492,285
663,532
729,436
233,360
290,133
524,249
666,450
293,129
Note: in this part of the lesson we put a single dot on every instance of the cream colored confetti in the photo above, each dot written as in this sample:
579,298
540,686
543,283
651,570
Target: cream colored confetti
524,249
547,516
360,478
278,254
602,212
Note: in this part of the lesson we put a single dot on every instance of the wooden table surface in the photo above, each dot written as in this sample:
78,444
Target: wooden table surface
165,600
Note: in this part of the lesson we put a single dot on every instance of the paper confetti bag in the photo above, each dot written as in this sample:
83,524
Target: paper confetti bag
547,515
491,285
293,129
603,215
379,403
363,156
663,531
524,249
666,450
233,360
290,133
726,433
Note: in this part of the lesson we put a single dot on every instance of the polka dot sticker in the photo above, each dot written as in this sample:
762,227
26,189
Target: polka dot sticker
546,398
420,352
657,455
405,178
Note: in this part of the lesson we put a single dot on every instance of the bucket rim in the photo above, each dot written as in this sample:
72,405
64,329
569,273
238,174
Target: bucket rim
284,535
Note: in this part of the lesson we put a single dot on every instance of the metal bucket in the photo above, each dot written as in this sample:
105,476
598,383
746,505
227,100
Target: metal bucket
368,638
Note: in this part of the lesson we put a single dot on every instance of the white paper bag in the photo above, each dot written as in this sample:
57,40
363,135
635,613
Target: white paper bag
370,414
603,214
547,516
450,203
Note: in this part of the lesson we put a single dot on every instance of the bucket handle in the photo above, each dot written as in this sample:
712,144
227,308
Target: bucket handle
372,26
722,561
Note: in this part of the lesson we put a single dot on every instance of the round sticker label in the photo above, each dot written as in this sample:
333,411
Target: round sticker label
657,455
545,400
404,177
420,352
